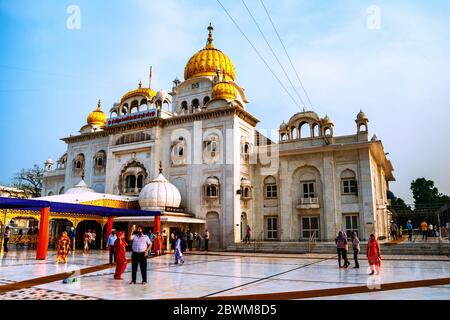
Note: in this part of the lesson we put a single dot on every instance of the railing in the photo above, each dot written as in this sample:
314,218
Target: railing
312,240
305,201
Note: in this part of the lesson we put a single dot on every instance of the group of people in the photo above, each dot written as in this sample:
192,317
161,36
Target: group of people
188,238
373,253
89,240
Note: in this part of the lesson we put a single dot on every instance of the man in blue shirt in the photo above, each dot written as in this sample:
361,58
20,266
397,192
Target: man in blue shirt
410,230
110,244
141,246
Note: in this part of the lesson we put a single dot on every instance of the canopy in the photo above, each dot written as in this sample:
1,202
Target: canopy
30,204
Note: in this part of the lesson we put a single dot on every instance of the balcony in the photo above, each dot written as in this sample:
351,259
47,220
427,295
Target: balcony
308,203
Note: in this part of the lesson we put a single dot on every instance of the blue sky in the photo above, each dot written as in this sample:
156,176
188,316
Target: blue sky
51,77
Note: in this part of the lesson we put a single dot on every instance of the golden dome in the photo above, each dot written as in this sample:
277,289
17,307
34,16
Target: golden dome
207,61
147,92
97,117
224,90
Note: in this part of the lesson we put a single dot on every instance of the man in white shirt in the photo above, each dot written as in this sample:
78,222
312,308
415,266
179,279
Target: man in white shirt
111,239
141,246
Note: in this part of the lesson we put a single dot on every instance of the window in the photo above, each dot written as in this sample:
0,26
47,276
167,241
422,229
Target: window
211,191
78,165
184,106
140,182
130,184
310,227
211,148
308,189
351,225
349,186
206,100
270,187
272,228
349,183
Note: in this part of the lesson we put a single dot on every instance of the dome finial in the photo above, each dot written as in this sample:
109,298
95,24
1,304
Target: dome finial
140,84
99,104
209,43
160,167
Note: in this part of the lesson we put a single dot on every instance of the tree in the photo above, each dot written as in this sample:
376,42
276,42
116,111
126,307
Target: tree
29,180
424,192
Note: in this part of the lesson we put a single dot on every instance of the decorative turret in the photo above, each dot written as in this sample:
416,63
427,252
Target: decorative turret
362,123
97,118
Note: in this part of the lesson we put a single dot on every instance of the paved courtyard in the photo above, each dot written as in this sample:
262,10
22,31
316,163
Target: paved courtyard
225,275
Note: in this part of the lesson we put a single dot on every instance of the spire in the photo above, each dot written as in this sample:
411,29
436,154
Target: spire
209,43
99,105
160,167
140,84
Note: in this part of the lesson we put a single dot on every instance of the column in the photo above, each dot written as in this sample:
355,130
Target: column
157,224
44,224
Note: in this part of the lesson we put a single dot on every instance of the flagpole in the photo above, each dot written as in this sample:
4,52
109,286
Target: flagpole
150,78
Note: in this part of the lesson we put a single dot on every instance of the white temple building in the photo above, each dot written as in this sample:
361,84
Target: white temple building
195,154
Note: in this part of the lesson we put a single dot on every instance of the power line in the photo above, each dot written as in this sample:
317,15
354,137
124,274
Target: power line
257,52
273,52
287,54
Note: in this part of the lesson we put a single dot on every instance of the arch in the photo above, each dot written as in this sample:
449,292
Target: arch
206,100
316,130
124,109
99,162
212,187
213,226
114,113
270,187
327,131
50,193
304,130
294,133
129,176
184,106
61,191
362,127
349,184
144,102
195,104
134,106
140,182
78,164
82,228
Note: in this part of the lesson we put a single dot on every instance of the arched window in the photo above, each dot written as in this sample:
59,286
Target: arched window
125,108
50,193
206,100
304,130
270,188
61,191
130,183
349,183
132,178
184,106
327,132
294,133
212,187
195,104
134,106
316,131
246,189
78,164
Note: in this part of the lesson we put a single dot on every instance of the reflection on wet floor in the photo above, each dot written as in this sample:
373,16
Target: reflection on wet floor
218,274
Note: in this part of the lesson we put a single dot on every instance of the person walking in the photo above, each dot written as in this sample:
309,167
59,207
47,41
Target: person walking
356,249
141,247
373,255
72,237
342,245
86,239
120,252
394,229
110,244
178,252
6,237
184,241
63,248
164,236
424,228
190,239
248,234
199,242
410,230
206,239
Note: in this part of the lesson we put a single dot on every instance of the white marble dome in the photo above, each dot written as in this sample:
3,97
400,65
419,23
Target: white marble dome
159,194
81,187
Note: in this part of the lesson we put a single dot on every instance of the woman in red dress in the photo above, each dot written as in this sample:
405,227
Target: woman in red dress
373,255
121,259
158,244
63,248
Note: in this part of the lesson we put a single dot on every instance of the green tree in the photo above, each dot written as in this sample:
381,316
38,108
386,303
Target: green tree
424,192
29,180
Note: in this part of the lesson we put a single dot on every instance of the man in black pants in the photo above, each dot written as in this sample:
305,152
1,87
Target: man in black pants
141,246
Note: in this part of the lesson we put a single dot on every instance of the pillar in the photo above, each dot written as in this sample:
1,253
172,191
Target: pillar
44,233
109,226
157,224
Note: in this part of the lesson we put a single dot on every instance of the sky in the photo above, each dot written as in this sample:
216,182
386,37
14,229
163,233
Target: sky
388,58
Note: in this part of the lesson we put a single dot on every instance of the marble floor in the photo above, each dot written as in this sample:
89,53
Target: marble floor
220,274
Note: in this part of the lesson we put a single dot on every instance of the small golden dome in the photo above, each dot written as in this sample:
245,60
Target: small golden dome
224,90
147,92
207,61
97,117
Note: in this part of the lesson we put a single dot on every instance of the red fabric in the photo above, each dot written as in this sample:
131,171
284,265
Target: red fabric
109,227
373,253
121,259
158,243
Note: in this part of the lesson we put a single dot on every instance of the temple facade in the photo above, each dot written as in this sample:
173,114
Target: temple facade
195,154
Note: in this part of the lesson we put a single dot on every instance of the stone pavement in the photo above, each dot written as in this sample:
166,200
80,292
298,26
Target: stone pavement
225,275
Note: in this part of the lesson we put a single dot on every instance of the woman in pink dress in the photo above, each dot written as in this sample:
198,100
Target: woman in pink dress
373,255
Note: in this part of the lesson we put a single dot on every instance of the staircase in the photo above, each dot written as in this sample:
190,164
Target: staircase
387,248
